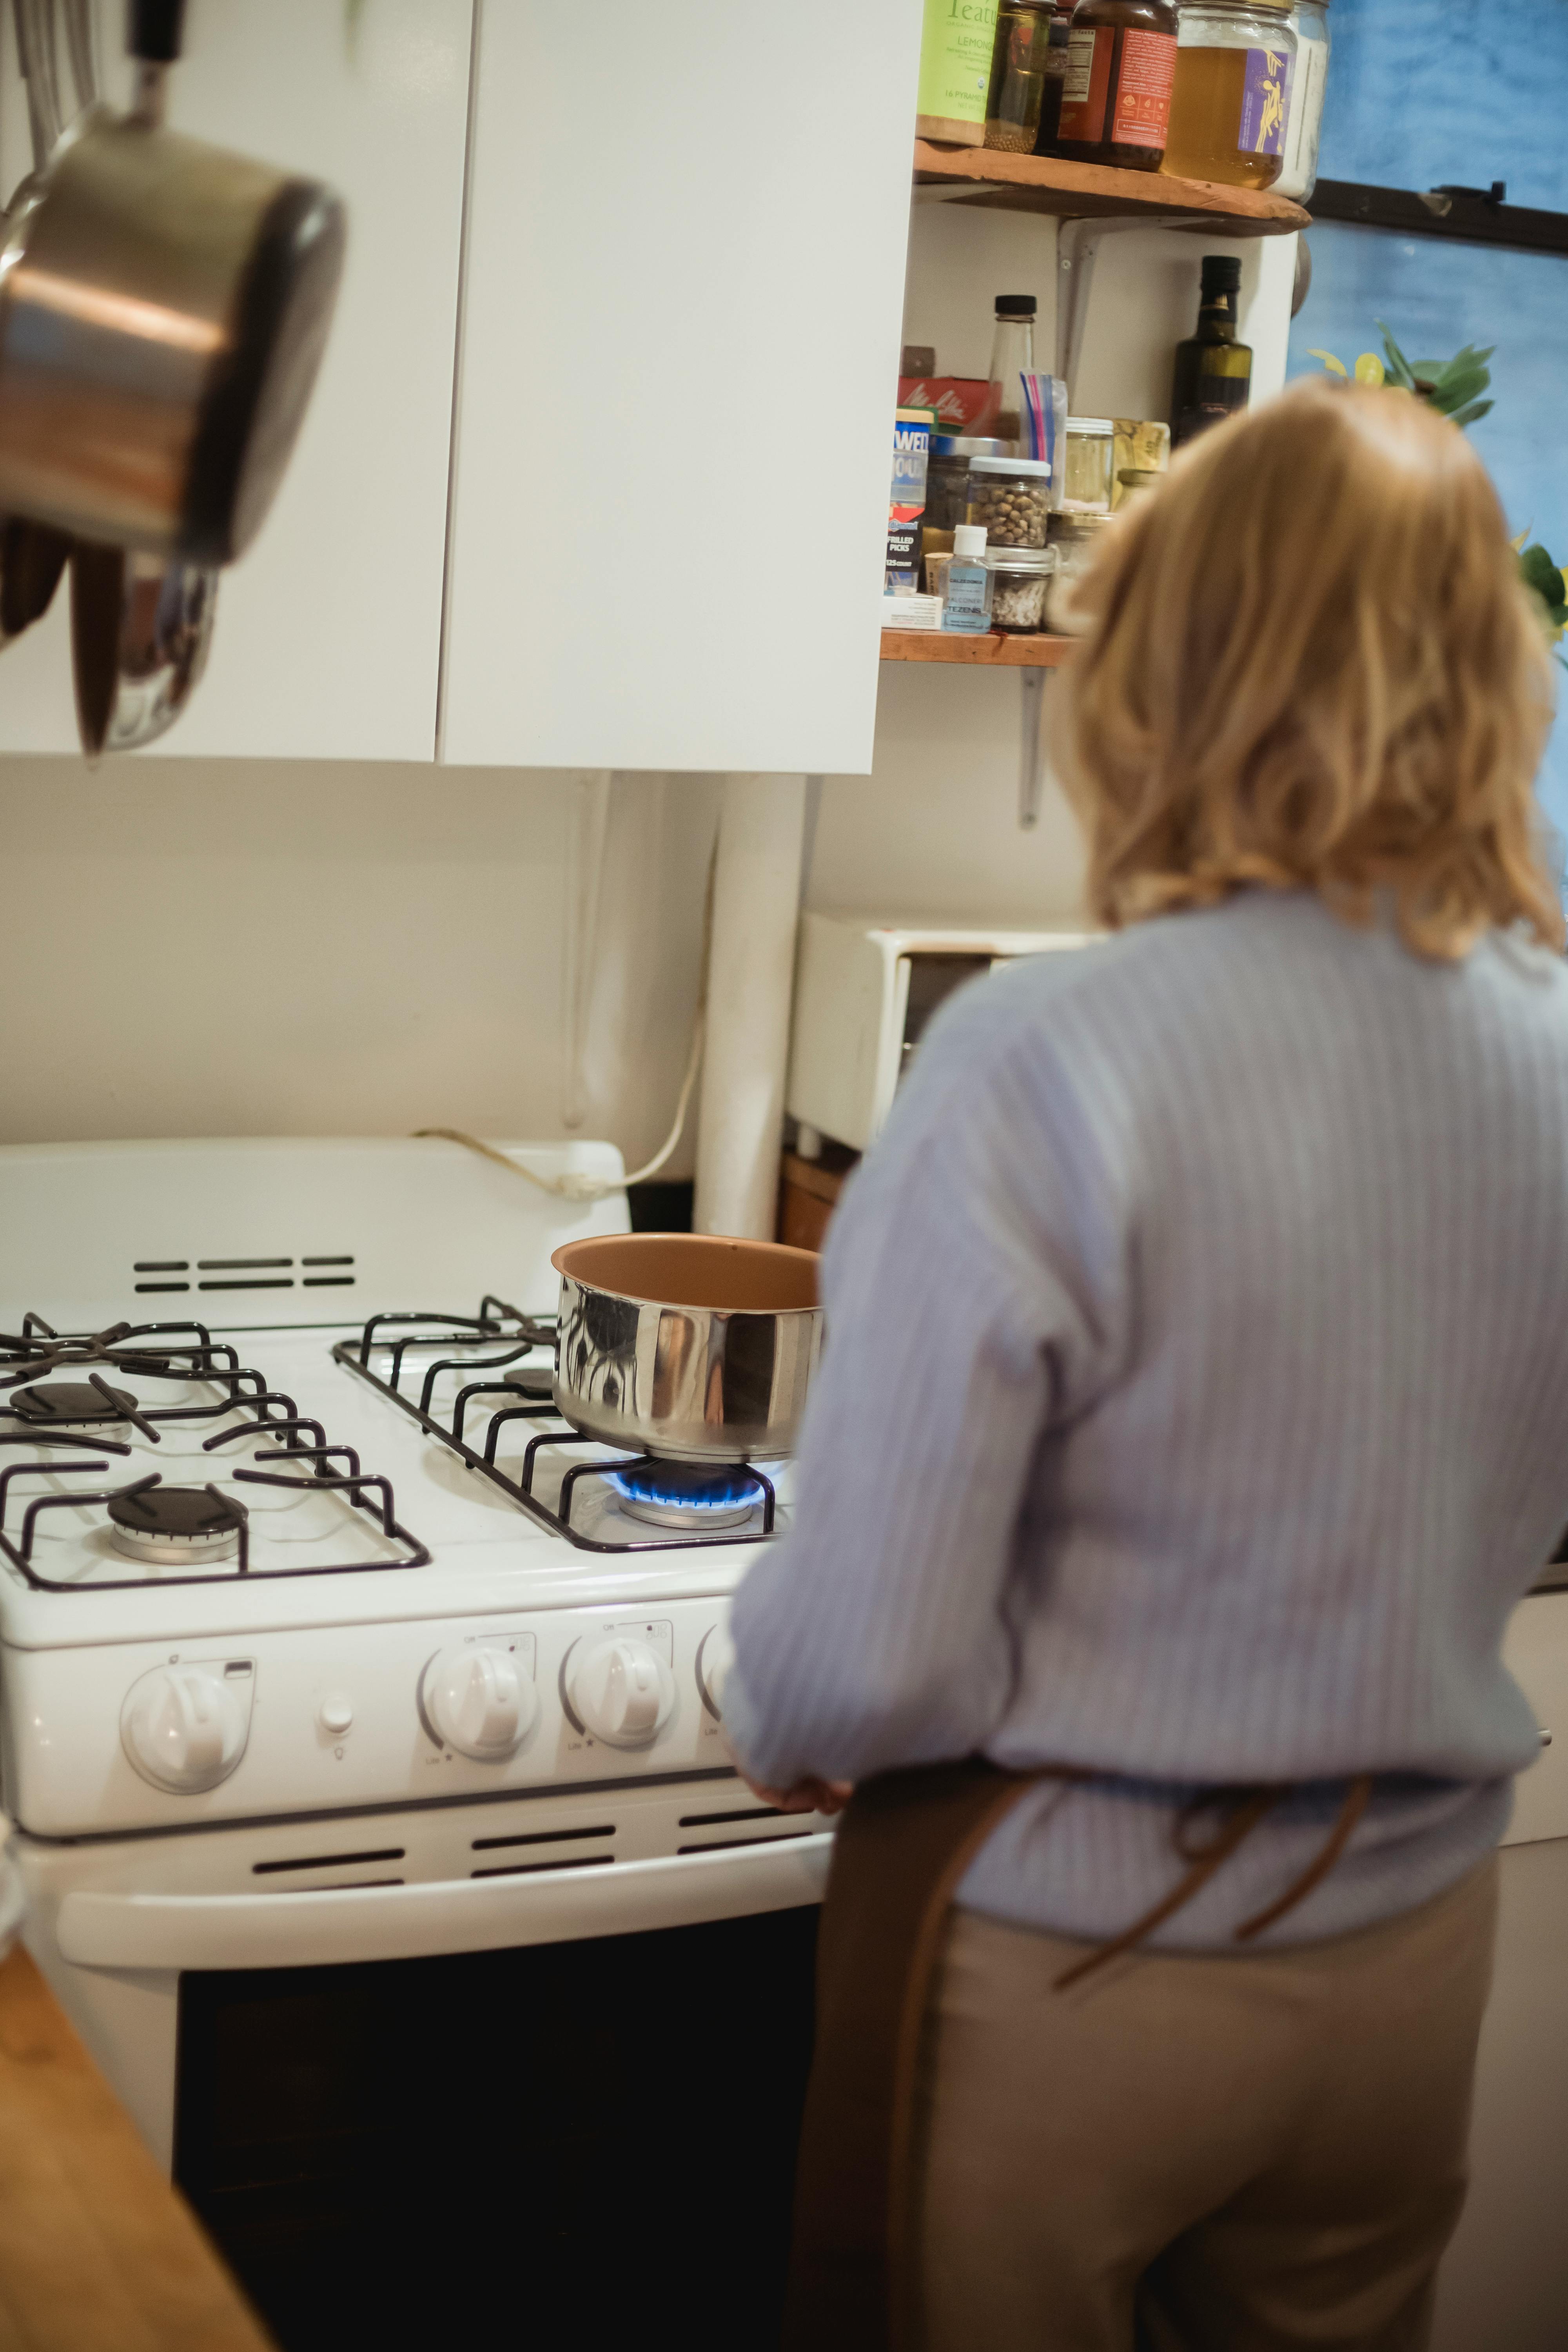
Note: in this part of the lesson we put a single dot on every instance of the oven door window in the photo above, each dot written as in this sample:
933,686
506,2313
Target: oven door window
597,2137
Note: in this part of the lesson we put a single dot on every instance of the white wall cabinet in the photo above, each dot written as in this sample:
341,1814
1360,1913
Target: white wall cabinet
327,636
686,243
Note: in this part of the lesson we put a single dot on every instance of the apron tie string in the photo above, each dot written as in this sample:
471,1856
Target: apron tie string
1249,1806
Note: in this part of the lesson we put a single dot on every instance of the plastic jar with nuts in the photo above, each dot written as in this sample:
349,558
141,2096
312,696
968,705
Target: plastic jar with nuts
1019,578
1010,498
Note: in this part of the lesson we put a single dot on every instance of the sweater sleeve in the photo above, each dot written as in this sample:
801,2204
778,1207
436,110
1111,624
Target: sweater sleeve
975,1289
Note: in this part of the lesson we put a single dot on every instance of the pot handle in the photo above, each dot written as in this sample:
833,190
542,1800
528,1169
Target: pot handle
153,31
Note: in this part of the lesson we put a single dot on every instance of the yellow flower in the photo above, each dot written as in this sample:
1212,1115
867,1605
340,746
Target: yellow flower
1369,369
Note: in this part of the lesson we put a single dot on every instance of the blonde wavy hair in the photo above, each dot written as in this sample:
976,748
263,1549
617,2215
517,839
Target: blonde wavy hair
1310,664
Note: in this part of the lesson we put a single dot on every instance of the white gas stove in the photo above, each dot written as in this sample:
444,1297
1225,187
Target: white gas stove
323,1641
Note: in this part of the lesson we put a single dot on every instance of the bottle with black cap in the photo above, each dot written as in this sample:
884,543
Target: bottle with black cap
1012,355
1214,371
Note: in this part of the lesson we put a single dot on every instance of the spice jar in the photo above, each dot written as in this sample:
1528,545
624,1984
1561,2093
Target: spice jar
1088,469
1018,67
1232,94
1116,100
1055,79
1074,538
1019,578
947,476
1304,115
1011,498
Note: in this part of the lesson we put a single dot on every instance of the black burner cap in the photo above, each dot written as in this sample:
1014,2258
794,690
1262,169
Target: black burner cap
190,1514
70,1404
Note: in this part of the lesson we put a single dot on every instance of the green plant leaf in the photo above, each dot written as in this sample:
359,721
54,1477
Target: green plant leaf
1545,582
1399,367
1472,414
1457,390
1468,358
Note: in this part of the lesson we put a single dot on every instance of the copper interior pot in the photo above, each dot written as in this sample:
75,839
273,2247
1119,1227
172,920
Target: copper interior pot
688,1345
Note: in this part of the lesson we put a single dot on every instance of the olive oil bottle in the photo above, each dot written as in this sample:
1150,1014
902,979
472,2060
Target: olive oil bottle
1214,371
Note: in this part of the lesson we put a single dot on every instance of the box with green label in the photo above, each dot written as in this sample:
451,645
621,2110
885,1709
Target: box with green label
955,70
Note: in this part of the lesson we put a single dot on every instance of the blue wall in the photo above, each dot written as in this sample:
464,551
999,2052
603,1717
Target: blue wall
1468,91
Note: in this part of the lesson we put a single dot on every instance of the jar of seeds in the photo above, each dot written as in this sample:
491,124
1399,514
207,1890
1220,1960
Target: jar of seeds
1010,498
947,476
1019,578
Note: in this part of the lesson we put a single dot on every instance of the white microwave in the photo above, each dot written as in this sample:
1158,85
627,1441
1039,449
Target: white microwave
865,989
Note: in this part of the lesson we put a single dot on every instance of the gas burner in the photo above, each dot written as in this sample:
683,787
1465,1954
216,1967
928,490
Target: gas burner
687,1493
176,1527
71,1404
537,1381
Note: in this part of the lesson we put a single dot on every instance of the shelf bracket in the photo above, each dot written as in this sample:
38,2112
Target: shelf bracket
1077,248
1031,752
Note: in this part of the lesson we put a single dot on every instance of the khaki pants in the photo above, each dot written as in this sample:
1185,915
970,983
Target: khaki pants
1196,2154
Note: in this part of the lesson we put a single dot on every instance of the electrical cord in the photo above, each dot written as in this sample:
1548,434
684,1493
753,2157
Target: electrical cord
575,1184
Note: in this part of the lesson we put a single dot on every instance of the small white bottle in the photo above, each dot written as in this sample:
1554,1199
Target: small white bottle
966,587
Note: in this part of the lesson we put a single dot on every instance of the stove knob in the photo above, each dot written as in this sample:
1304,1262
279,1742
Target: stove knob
622,1691
479,1702
714,1660
183,1728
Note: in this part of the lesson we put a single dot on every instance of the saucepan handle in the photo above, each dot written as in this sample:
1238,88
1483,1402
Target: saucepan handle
153,31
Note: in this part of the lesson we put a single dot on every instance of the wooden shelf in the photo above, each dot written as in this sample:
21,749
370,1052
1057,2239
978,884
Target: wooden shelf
993,651
1047,183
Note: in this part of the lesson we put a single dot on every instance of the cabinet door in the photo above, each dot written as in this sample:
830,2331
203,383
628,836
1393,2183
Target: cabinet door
328,631
684,271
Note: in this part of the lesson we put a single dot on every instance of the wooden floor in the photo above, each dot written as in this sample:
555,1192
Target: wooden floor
97,2253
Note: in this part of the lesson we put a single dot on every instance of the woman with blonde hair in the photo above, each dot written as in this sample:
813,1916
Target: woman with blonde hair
1194,1413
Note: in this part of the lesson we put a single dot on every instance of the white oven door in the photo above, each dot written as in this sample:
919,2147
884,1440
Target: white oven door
562,2093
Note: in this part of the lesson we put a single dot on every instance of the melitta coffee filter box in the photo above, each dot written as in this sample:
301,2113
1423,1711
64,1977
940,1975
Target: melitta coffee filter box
961,404
907,505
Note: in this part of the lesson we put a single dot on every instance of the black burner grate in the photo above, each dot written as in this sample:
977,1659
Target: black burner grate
391,1344
187,1354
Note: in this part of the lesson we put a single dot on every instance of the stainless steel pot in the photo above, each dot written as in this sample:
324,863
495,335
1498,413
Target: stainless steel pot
686,1345
163,308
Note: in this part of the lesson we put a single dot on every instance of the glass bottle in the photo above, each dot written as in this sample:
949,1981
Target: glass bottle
1019,68
966,590
1304,120
1012,355
1230,102
1214,371
1055,78
1116,100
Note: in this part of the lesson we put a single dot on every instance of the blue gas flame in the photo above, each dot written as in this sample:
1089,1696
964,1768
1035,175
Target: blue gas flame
694,1489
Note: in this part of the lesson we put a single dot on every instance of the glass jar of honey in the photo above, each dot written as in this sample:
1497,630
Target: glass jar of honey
1231,100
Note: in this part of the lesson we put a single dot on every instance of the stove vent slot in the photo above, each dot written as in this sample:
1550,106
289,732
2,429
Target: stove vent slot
737,1813
248,1273
545,1837
722,1845
333,1862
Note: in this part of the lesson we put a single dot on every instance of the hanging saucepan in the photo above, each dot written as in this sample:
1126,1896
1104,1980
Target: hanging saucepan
32,556
162,313
686,1345
140,624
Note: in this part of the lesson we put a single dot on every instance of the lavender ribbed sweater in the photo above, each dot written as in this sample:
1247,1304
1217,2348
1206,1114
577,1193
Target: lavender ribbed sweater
1195,1408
